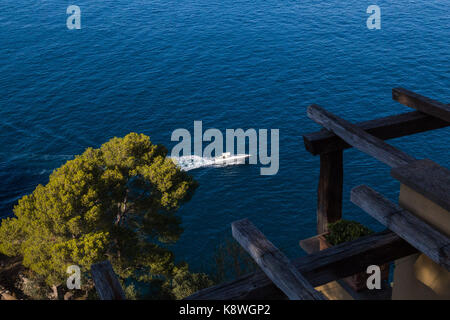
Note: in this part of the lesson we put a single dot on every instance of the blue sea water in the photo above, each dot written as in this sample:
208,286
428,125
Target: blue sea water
153,66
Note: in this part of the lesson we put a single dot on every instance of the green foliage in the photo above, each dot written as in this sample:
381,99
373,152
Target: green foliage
183,283
131,292
117,202
345,230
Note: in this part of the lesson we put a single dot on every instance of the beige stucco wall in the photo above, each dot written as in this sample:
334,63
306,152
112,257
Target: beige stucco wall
334,291
417,276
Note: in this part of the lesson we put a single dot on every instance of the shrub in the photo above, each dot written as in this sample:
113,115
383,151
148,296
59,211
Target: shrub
345,230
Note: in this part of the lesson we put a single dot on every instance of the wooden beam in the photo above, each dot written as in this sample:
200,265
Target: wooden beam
385,128
273,262
329,191
106,282
358,138
318,268
427,178
411,228
421,103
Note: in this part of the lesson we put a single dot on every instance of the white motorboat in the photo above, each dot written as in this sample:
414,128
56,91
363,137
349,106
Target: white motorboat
226,158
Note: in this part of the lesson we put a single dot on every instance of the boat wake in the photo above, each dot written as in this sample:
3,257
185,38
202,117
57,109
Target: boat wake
187,163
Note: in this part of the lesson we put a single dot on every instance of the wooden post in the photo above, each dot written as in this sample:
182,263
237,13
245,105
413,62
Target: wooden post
329,191
273,262
106,283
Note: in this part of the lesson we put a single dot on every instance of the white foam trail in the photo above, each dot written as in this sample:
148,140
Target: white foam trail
187,163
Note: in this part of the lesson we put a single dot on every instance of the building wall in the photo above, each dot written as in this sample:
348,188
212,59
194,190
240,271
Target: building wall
417,276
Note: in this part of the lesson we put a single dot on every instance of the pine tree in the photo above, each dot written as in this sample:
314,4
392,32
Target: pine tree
117,202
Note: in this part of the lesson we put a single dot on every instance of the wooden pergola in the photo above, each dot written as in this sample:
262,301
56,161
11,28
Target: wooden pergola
407,234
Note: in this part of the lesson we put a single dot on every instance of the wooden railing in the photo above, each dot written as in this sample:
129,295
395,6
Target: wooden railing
330,147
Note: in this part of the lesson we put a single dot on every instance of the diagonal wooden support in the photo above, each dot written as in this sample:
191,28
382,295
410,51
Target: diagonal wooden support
358,138
274,263
408,226
421,103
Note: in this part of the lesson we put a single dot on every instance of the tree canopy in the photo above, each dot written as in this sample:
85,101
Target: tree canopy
117,202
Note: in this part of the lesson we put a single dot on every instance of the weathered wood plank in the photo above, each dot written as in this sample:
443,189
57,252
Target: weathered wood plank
358,138
385,128
106,282
421,103
414,230
273,262
427,178
329,191
318,268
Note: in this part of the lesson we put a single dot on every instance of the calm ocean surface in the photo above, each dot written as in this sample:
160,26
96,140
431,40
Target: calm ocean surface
154,66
